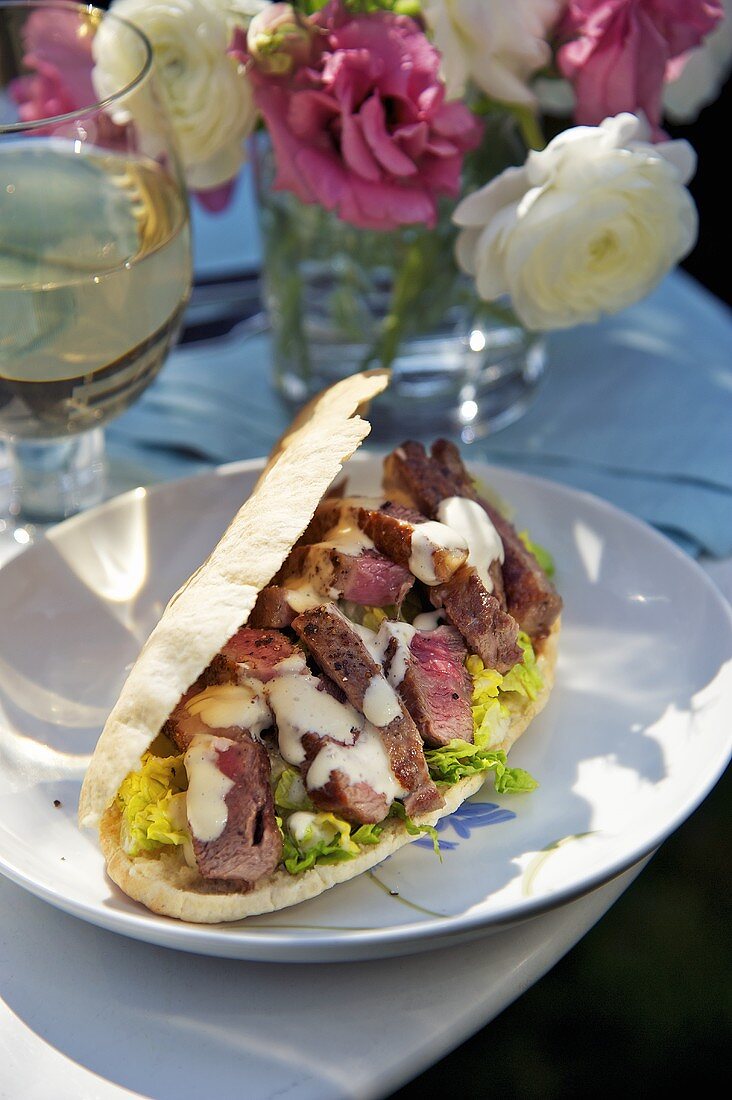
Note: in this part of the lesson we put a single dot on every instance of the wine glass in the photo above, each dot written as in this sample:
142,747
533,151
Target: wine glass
95,261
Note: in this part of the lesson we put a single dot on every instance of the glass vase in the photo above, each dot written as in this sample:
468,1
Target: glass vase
342,299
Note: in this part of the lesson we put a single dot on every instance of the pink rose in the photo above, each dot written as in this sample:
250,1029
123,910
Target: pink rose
59,57
617,52
365,130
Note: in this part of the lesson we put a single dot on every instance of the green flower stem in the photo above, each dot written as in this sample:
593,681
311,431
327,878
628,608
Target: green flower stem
407,288
530,128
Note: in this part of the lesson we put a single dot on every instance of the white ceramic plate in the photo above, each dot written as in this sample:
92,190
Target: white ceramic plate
634,736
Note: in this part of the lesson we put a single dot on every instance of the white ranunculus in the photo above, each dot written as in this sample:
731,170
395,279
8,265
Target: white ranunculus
498,44
587,226
209,98
239,12
704,72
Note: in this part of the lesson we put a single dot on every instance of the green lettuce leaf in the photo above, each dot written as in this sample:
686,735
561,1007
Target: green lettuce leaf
542,555
151,815
290,793
397,810
310,838
524,678
458,760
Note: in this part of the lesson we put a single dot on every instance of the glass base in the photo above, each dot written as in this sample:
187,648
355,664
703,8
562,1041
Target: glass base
50,480
467,387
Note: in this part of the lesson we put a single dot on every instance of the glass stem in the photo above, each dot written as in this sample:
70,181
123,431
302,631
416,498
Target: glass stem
54,478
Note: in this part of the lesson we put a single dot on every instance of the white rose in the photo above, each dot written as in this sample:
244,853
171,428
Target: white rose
704,72
239,13
587,226
498,44
209,99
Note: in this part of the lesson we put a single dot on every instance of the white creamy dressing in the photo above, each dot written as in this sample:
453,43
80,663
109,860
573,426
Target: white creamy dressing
223,705
470,520
347,537
300,823
377,645
380,702
365,762
429,620
301,595
207,787
427,539
301,708
402,634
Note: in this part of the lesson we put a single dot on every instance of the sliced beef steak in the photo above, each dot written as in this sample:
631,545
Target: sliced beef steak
250,844
247,660
341,653
486,627
403,534
355,801
365,578
272,609
530,597
413,478
235,711
436,688
259,650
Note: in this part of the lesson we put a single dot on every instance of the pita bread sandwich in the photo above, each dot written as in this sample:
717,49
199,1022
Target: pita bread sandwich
340,673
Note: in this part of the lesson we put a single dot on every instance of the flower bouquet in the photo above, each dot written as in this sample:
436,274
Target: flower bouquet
421,205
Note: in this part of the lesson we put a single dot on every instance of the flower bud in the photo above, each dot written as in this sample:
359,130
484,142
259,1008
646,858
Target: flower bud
279,40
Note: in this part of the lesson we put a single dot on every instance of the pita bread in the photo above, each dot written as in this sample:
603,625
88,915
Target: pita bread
198,621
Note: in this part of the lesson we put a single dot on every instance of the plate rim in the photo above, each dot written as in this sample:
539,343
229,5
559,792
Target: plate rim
233,939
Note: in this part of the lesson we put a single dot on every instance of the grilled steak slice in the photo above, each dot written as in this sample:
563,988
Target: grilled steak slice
357,802
229,710
272,609
531,597
428,550
341,653
258,650
489,631
436,688
413,478
365,578
250,844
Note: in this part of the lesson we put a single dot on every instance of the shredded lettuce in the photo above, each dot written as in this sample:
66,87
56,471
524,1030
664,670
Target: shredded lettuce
542,555
524,678
290,793
458,760
150,809
373,617
397,810
310,838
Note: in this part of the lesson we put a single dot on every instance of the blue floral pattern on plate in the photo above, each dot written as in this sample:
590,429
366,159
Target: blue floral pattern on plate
469,816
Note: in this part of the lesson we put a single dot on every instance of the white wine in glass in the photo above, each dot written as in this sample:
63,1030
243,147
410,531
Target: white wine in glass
95,267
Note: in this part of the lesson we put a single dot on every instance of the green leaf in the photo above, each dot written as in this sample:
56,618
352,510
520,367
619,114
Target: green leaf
542,555
398,811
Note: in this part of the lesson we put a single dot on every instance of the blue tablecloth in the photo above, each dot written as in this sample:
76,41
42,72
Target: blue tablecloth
637,409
